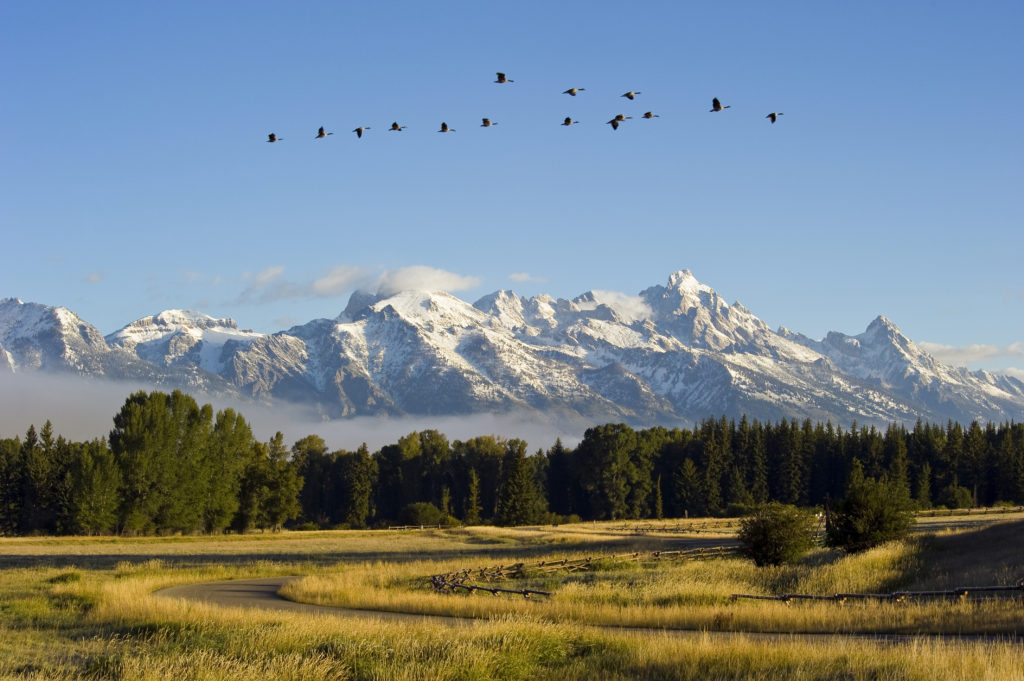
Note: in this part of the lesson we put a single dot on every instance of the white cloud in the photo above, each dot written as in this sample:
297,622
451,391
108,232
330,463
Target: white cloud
339,280
267,285
94,277
82,409
270,285
969,354
423,278
525,276
1012,372
630,308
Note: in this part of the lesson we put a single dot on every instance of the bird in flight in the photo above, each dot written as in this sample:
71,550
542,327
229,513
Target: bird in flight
487,123
631,94
772,116
648,114
274,138
614,123
621,117
573,90
320,133
398,128
445,128
359,131
503,79
717,105
569,121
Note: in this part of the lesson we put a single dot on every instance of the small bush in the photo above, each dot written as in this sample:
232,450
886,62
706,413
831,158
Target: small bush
777,534
420,513
873,512
955,496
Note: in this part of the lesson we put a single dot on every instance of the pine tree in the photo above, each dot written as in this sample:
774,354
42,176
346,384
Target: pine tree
520,501
689,491
357,478
471,515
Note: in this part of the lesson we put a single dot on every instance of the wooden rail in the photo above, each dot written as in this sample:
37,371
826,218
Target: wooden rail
448,582
896,596
440,584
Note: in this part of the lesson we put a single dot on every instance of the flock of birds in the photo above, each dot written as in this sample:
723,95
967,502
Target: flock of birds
716,106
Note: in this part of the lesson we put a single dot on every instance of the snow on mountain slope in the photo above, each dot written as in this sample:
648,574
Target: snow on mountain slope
39,337
671,353
182,337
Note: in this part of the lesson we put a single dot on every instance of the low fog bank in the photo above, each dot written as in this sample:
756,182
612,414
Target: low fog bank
83,409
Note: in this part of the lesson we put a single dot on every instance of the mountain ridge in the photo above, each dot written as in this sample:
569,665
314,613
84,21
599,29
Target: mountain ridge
672,353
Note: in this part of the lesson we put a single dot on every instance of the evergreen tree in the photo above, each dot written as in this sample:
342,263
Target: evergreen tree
689,492
11,471
923,489
872,512
658,510
357,478
607,470
318,497
471,515
520,501
96,493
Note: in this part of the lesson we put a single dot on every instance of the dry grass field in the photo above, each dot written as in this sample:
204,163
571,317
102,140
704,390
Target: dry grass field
85,608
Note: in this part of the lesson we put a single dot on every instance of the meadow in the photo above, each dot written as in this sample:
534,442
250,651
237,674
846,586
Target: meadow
86,608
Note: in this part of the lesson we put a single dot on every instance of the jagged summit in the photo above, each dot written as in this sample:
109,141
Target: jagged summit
672,353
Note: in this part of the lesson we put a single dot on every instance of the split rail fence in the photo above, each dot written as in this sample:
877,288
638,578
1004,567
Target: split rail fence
451,581
896,596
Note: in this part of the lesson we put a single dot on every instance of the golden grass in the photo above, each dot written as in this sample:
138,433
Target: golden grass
87,611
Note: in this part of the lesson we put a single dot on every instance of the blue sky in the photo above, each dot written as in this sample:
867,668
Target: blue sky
136,176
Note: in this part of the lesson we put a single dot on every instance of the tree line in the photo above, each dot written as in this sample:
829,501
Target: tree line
170,465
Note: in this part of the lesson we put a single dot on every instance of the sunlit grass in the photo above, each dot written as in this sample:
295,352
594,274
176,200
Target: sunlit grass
87,610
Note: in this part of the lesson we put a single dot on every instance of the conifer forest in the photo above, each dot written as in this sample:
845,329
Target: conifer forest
171,465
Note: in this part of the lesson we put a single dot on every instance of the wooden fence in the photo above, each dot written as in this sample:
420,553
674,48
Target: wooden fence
896,596
448,582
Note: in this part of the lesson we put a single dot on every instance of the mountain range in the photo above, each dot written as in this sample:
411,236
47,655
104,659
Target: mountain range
671,356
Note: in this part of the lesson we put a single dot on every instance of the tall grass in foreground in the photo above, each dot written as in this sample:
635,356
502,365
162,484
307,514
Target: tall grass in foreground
681,595
99,622
101,626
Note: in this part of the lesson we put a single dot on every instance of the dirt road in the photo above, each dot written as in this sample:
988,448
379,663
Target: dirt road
263,594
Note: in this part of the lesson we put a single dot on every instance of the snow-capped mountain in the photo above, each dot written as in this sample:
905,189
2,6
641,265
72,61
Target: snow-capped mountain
675,353
36,337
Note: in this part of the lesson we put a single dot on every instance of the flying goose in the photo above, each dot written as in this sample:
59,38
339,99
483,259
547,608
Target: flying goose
573,90
320,133
648,114
569,121
274,138
487,123
445,128
717,105
359,131
397,128
631,94
772,116
503,79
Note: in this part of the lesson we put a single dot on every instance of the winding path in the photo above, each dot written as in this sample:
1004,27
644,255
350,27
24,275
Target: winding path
263,594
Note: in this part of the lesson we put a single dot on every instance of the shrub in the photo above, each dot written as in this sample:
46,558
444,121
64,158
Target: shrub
955,496
873,512
777,534
420,513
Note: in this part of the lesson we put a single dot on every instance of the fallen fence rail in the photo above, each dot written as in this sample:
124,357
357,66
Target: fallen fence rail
896,596
458,580
440,584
